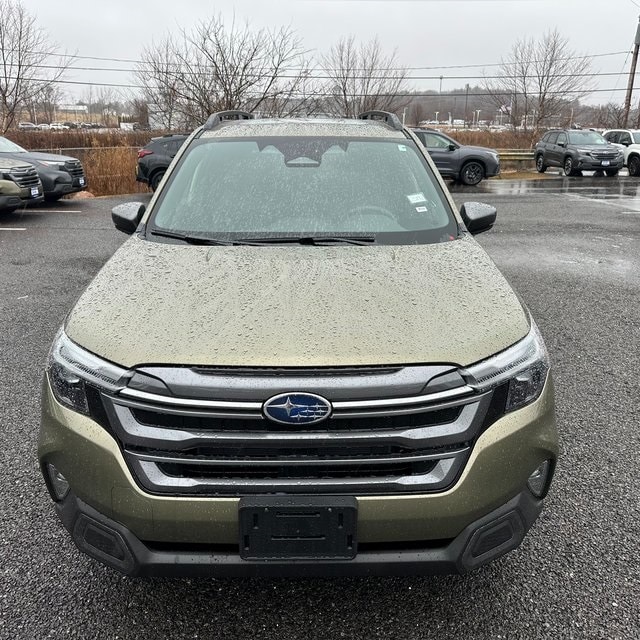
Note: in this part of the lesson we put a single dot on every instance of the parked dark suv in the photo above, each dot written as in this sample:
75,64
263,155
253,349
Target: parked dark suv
60,175
575,151
155,158
460,162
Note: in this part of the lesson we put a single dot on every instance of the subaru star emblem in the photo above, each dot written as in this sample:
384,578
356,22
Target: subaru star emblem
297,408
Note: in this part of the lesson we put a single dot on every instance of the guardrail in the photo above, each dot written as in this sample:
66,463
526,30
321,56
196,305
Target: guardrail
515,154
518,158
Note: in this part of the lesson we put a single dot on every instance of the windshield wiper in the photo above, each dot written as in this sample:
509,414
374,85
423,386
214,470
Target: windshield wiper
198,240
312,240
266,240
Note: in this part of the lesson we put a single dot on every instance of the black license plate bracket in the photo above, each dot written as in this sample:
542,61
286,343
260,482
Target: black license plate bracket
298,527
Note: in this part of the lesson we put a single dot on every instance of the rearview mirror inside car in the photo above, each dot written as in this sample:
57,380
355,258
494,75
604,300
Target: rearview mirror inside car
478,216
127,216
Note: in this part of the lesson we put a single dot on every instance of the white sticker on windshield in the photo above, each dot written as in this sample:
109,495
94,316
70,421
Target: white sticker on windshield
402,147
416,198
421,209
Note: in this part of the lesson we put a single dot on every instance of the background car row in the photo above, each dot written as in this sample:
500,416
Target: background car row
28,176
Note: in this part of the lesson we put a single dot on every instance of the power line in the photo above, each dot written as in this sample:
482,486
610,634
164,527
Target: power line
402,68
367,77
328,95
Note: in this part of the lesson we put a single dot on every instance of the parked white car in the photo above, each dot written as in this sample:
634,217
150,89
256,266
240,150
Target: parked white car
629,141
58,126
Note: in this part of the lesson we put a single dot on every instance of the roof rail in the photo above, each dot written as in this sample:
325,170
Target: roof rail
385,116
215,119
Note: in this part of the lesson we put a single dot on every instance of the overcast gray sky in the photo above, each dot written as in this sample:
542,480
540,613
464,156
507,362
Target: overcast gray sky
426,33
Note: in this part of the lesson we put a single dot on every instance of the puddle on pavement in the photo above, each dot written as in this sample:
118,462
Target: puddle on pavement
624,191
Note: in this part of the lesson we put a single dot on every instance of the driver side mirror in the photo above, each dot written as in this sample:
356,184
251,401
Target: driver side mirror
562,144
452,147
478,216
126,217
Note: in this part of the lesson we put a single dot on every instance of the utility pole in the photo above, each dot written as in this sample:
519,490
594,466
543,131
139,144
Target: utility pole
466,104
632,75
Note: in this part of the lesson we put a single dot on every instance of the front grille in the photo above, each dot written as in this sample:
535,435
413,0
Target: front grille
74,167
604,155
26,177
197,423
407,444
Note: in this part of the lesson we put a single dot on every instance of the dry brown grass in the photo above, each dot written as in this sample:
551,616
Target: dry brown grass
111,171
79,138
496,139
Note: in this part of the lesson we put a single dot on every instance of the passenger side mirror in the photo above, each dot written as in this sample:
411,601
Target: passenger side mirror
126,217
478,216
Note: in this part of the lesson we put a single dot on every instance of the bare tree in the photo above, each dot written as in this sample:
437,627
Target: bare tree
24,50
215,67
538,79
362,78
47,101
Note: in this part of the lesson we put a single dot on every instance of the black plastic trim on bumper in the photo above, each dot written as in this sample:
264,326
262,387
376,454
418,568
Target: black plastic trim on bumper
484,540
10,203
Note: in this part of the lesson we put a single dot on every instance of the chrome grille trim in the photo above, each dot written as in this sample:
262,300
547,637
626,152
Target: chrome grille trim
24,176
257,406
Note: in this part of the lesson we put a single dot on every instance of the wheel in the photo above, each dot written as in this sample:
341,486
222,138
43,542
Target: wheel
52,197
634,166
612,172
568,167
155,180
472,173
540,165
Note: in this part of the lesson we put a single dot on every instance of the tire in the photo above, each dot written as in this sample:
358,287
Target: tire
472,173
155,180
540,165
52,197
568,167
634,166
612,173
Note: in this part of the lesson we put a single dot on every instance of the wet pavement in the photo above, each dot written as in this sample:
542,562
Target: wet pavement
622,191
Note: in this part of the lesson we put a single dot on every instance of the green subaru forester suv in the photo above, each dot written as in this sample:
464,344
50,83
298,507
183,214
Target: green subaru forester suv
300,363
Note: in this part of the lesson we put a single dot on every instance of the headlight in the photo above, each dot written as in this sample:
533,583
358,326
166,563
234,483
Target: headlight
524,366
495,156
584,152
70,367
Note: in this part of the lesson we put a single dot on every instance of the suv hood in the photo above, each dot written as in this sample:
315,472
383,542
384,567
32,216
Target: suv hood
10,163
276,306
31,156
468,148
596,147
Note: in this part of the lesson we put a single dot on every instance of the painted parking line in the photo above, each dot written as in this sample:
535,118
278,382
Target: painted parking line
57,211
12,229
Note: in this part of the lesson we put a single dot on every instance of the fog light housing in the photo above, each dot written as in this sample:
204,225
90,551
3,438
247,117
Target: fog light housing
540,479
57,482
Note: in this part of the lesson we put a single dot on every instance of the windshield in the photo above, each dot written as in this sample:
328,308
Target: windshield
6,146
305,186
586,137
636,137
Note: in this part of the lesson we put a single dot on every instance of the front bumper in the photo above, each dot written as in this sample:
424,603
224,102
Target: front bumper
484,540
60,183
9,203
200,535
587,163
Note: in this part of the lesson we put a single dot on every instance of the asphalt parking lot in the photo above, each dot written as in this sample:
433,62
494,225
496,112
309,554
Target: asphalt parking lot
571,247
